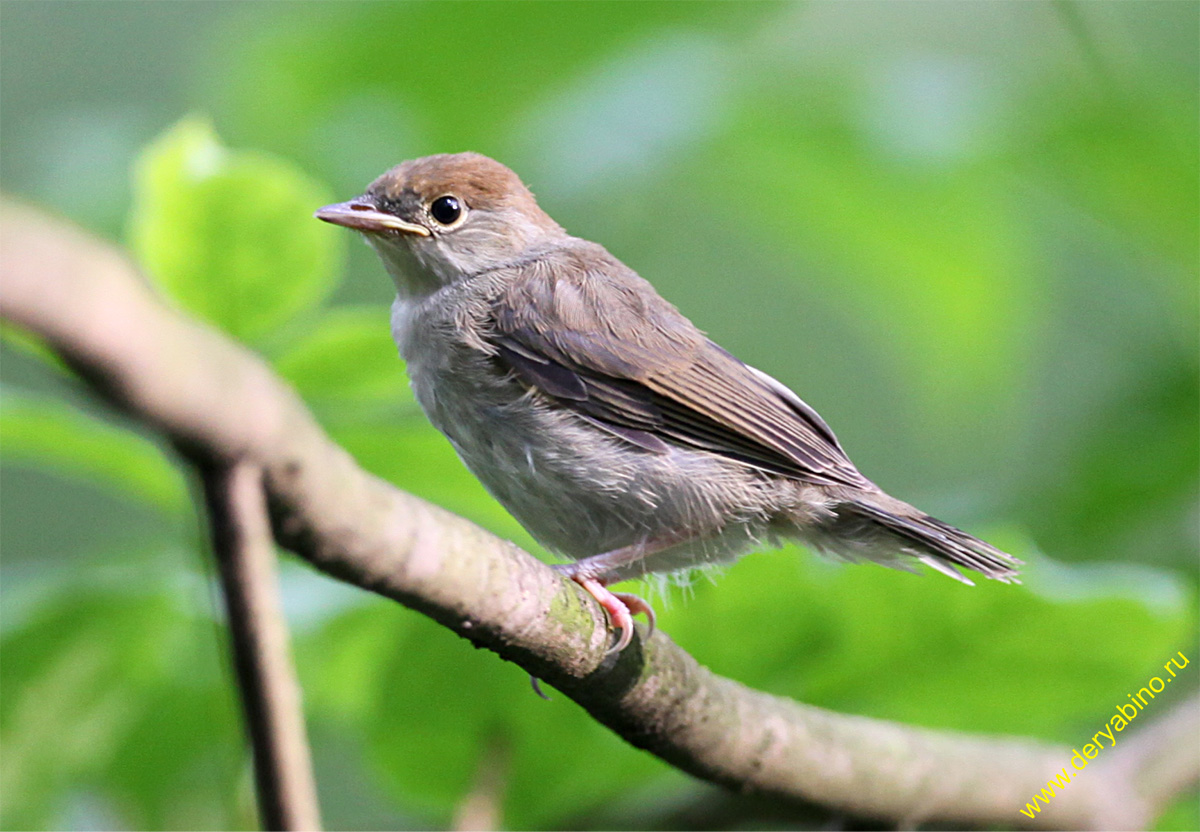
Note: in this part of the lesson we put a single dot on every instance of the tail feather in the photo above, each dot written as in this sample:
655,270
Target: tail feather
860,523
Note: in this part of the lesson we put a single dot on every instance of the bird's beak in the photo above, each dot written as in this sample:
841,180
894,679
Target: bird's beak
362,216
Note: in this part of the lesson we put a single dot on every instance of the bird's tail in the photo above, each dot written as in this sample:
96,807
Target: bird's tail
885,530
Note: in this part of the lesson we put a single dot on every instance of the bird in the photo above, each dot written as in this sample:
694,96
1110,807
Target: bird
614,430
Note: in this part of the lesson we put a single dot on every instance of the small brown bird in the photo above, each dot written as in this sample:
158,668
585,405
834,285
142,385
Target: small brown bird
601,417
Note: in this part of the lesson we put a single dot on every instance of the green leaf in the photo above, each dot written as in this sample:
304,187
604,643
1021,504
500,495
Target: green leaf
118,693
229,234
1021,659
47,433
348,360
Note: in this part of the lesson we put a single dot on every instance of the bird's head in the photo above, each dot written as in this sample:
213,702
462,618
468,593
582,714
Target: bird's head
440,219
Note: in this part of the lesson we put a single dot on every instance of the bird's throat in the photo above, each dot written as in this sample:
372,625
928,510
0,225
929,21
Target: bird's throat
414,279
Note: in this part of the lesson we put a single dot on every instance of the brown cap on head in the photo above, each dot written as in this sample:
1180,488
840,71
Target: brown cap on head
479,181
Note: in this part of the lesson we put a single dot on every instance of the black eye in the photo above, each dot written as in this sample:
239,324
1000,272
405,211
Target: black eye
446,209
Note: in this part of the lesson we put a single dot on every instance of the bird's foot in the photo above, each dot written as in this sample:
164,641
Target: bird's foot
621,607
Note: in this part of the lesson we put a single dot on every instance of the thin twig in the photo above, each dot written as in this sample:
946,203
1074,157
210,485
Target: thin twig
219,403
245,554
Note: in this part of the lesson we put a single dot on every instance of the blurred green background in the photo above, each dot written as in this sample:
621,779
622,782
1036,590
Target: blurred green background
965,232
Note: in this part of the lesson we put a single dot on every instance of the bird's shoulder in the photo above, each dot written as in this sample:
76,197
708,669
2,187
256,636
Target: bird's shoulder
584,306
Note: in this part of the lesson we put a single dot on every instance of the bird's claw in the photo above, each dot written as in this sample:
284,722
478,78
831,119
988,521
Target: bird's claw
620,607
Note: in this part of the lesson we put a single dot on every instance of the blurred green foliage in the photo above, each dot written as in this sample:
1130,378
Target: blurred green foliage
226,234
967,233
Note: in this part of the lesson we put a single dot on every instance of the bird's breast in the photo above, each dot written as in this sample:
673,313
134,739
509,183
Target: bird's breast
577,489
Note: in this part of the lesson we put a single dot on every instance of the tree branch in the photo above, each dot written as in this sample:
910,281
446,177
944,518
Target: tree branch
270,693
221,403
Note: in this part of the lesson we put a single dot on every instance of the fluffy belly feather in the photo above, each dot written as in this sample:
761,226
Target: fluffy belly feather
579,490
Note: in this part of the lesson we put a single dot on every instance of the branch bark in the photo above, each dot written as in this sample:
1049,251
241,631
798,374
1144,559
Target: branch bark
221,404
270,693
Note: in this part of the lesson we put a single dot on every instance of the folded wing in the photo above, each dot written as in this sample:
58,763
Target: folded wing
620,356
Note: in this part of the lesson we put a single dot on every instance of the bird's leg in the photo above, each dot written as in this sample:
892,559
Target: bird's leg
621,608
590,573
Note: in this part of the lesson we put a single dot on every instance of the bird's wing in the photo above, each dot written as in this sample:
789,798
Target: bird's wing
602,343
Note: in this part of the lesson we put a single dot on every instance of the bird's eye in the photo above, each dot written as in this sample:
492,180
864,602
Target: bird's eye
446,210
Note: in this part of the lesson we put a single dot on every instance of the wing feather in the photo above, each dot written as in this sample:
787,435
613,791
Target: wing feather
608,347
